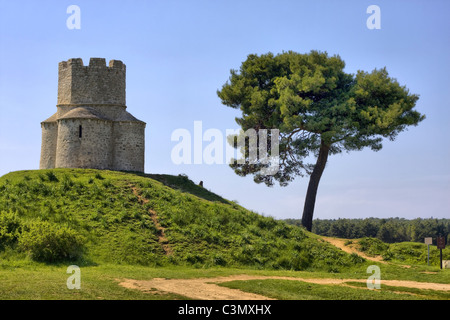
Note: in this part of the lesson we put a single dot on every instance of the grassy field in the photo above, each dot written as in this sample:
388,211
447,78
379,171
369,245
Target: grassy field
297,290
116,225
38,281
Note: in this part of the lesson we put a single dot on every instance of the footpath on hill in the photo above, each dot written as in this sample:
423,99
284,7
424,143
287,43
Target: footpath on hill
207,288
340,243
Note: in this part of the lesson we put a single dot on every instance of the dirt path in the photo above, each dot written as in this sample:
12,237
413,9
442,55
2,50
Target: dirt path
162,240
199,288
207,288
340,243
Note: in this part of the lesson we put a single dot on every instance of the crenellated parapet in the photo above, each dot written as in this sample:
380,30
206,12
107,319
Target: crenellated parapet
91,127
96,83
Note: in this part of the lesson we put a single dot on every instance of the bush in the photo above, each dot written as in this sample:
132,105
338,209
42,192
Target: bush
10,228
48,242
219,260
373,246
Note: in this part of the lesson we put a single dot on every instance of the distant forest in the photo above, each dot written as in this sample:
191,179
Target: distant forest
388,230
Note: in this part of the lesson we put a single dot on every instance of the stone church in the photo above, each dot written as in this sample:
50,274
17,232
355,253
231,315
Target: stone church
91,127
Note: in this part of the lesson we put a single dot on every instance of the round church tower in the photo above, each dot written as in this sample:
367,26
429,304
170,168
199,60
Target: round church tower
91,128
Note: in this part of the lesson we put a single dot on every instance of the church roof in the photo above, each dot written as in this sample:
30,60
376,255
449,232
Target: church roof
90,113
53,118
126,116
82,113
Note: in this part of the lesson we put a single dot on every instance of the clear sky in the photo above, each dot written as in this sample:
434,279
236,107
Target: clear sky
179,53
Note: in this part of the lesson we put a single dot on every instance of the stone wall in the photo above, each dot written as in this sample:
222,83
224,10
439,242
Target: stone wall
48,147
92,97
93,84
91,150
129,146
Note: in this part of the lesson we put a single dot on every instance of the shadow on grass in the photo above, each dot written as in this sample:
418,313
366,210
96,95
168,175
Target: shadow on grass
182,183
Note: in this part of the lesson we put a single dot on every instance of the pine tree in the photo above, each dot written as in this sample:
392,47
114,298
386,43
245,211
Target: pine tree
318,109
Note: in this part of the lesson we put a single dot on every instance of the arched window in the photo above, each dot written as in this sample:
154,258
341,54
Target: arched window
80,131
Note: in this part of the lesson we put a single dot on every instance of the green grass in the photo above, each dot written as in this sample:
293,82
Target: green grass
298,290
49,283
40,281
412,253
208,236
201,228
182,183
424,294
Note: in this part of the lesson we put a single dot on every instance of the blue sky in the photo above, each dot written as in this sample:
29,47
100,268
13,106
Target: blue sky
179,53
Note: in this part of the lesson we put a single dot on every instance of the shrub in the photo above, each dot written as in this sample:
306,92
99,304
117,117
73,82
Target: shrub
48,242
219,260
283,262
194,258
373,246
10,228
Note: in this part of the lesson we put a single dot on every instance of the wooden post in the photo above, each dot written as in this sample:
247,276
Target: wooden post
440,245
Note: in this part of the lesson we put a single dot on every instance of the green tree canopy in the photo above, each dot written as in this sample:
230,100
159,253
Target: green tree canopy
318,109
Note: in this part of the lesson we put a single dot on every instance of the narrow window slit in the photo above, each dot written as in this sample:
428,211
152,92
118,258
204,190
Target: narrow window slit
80,131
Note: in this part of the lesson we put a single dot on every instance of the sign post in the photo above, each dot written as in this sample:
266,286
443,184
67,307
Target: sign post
428,241
440,245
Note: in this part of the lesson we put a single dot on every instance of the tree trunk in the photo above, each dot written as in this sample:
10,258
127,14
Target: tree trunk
310,199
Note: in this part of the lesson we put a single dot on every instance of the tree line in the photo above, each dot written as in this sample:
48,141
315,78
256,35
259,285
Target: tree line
388,230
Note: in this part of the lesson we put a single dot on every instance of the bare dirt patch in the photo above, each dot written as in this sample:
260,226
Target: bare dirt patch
199,289
207,288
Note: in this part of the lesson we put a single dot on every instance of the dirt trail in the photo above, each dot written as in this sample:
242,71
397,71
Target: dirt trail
340,243
207,289
162,240
199,288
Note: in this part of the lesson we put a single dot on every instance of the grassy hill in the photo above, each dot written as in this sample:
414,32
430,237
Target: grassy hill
411,253
96,216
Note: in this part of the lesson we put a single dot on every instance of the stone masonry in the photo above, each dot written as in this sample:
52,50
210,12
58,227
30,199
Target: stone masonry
91,127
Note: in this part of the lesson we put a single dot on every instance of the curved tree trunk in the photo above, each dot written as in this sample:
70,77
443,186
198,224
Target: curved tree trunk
310,200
